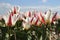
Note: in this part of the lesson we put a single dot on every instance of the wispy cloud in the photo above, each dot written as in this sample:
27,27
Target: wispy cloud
41,8
4,4
44,1
5,7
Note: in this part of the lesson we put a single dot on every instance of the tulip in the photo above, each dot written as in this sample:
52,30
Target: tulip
36,21
6,18
9,23
26,24
42,18
47,16
29,14
54,17
11,18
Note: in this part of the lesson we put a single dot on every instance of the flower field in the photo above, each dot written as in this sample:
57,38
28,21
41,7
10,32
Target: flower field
29,25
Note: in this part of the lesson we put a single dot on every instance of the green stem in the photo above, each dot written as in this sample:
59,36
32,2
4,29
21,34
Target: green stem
14,35
9,33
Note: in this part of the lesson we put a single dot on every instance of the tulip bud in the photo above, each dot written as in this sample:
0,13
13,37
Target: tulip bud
26,25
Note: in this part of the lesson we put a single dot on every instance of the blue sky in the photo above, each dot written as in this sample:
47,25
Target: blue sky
32,2
42,4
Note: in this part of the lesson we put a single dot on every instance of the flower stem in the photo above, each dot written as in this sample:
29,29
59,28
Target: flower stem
9,33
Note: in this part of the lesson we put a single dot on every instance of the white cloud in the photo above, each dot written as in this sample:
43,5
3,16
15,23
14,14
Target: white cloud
5,7
41,8
44,1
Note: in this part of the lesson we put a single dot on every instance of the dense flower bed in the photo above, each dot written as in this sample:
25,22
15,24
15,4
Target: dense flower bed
29,26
